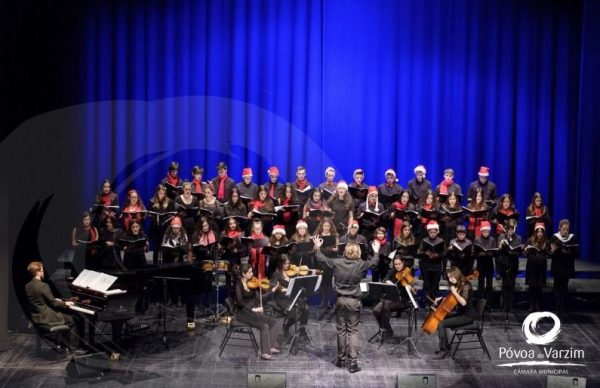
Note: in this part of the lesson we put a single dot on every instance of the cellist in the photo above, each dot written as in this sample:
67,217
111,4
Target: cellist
462,290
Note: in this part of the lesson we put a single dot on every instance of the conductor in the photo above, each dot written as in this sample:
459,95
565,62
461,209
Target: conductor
347,272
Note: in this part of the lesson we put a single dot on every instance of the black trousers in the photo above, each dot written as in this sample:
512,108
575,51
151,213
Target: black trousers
561,289
452,321
268,327
431,283
384,308
298,314
347,316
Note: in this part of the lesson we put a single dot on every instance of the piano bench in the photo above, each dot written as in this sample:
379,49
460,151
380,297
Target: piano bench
52,335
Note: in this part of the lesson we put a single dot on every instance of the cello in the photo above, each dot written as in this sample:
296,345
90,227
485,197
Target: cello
445,307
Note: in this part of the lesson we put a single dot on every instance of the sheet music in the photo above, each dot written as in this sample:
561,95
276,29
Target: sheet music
411,297
93,280
290,286
364,287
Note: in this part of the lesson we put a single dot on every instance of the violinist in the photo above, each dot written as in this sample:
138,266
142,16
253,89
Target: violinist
348,272
462,290
250,311
400,275
281,276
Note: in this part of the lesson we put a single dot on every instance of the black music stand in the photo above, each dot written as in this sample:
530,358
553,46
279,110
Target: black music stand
507,323
161,306
299,288
412,324
382,292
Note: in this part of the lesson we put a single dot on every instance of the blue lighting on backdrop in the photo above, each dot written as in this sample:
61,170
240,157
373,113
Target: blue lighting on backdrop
371,84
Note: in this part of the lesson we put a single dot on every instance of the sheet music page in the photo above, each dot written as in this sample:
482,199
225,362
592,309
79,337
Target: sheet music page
412,298
102,282
84,278
318,283
364,287
290,287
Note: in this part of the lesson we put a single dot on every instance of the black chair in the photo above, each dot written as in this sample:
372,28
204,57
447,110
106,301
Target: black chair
236,326
475,329
56,336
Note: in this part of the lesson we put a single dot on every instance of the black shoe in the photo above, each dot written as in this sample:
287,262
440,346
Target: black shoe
354,368
340,363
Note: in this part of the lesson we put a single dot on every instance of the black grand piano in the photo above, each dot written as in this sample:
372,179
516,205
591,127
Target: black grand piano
125,299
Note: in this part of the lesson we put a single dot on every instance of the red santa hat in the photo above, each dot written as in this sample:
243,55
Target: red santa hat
372,190
485,225
176,221
539,225
279,229
246,172
342,185
354,224
301,224
484,171
433,225
273,170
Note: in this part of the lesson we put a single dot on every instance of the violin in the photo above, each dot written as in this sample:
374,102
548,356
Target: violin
255,283
445,307
405,277
295,270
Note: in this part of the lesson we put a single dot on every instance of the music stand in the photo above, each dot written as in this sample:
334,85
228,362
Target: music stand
382,292
300,287
161,306
412,321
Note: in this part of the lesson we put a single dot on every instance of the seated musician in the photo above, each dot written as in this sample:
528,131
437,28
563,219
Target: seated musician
44,307
281,277
249,311
462,290
384,308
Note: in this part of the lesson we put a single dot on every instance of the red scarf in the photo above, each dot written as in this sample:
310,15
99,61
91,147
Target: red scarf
172,179
397,221
207,238
382,241
92,233
287,216
105,199
500,228
233,233
272,190
538,211
257,258
444,186
257,204
198,185
424,220
301,184
221,191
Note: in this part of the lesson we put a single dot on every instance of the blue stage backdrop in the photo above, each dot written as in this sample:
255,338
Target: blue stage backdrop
370,84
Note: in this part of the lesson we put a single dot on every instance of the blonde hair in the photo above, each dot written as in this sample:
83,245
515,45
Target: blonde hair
352,251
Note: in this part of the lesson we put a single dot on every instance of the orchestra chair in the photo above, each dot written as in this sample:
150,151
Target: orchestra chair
474,329
55,335
234,326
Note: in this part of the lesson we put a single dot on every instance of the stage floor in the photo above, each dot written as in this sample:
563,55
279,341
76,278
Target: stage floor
193,357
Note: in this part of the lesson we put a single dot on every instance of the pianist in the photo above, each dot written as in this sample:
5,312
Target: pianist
44,307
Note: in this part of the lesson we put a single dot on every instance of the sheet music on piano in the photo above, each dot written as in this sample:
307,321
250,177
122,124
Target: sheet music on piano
97,281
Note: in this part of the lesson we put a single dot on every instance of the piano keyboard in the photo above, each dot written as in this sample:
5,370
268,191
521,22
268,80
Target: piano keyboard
85,310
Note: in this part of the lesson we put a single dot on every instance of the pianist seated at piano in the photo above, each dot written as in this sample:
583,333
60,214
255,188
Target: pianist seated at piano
175,242
45,309
84,240
135,246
